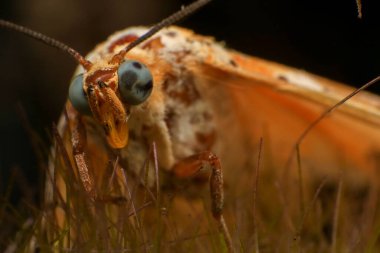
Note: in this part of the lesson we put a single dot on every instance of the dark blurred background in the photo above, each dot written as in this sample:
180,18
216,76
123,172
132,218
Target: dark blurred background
323,37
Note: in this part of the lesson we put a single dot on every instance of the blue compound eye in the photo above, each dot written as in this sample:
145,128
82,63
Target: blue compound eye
77,96
135,82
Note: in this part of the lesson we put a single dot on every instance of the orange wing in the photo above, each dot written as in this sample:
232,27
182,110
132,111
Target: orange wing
278,103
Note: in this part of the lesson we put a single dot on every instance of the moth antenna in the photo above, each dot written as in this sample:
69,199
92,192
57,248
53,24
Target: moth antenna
47,40
174,18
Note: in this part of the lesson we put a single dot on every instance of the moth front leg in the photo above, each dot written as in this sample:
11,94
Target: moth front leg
207,161
79,142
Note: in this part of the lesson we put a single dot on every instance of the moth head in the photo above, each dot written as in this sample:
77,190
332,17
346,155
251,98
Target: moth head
108,93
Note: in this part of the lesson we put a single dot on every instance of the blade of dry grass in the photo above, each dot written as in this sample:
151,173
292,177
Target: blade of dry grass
255,190
334,245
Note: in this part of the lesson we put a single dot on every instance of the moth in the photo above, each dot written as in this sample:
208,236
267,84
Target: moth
153,106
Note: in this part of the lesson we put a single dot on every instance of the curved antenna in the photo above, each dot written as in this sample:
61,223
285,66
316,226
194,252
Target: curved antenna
47,40
179,15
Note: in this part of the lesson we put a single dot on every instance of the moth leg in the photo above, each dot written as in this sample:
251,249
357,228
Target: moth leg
207,161
79,141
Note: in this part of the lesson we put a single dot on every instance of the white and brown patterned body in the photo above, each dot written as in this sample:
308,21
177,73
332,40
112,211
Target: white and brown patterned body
180,116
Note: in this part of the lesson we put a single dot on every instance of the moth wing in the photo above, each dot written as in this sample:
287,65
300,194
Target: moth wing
278,103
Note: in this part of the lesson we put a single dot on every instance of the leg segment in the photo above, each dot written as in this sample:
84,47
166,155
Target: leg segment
203,161
78,139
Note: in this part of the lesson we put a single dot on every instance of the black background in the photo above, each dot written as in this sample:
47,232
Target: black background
323,37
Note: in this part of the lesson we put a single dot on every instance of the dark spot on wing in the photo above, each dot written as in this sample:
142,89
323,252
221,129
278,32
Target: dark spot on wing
283,78
233,63
171,34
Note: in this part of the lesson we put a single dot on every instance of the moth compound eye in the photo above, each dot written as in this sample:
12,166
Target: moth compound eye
77,96
135,82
